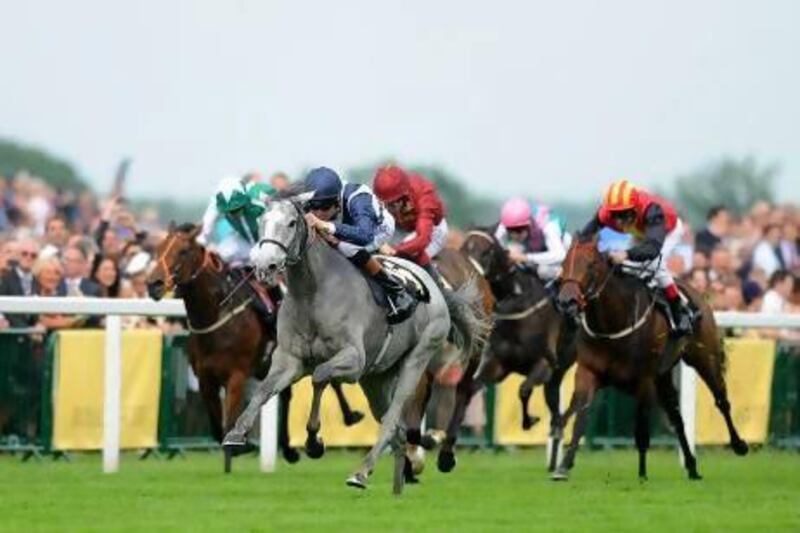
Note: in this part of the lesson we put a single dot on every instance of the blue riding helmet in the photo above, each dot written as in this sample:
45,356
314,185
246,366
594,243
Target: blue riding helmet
325,183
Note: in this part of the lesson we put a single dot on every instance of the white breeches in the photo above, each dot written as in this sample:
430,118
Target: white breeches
438,238
658,266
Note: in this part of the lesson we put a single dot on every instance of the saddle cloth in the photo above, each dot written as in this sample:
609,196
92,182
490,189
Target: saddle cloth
412,282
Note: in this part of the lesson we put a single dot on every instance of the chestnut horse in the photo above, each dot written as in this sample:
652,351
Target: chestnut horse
229,341
625,342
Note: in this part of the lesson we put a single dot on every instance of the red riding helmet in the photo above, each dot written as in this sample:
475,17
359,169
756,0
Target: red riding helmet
391,183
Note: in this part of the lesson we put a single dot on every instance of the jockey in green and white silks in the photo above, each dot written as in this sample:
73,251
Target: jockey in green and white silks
231,220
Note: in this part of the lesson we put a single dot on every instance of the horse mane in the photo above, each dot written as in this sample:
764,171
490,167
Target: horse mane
186,227
291,191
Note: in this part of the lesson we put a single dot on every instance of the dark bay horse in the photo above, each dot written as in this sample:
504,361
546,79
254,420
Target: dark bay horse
229,339
625,342
529,337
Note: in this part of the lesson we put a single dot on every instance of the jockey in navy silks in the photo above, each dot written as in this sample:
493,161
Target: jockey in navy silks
352,220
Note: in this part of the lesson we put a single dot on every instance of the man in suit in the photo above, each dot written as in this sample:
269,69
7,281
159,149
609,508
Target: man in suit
75,282
19,281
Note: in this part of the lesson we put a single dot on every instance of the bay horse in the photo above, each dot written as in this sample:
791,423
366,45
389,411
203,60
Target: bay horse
331,328
229,339
530,337
625,342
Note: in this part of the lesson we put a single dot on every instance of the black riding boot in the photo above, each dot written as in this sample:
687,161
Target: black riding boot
435,274
402,303
681,316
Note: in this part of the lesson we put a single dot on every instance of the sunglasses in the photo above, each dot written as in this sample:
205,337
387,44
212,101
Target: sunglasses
26,253
320,205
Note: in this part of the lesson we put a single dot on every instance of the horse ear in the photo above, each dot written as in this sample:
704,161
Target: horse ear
171,226
195,232
302,198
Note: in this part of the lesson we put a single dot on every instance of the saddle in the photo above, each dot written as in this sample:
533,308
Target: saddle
414,284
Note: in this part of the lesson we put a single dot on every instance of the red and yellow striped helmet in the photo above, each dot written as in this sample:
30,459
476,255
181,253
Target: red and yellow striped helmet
620,195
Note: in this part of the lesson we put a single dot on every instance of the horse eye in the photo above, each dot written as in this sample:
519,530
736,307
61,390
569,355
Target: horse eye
293,223
183,253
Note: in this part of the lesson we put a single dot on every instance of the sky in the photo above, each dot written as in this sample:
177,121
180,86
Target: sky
547,99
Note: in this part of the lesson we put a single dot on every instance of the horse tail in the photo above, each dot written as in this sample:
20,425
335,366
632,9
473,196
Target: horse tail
470,325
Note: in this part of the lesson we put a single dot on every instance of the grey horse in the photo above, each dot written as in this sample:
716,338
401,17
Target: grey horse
329,327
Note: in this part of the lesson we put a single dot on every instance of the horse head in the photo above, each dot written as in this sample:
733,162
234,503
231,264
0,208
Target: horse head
585,272
179,258
486,254
284,238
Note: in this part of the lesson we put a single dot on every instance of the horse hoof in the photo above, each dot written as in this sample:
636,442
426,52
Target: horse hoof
740,447
408,473
291,455
353,418
358,481
235,450
642,479
694,476
228,460
315,448
529,421
560,474
446,461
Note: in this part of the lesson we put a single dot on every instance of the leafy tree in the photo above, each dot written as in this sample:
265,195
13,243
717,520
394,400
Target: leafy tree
736,184
15,157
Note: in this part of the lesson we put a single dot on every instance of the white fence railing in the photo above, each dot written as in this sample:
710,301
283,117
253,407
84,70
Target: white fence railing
113,308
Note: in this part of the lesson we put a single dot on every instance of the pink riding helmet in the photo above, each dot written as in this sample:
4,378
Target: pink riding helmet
516,213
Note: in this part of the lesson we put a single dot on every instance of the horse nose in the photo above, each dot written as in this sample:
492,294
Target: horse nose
155,289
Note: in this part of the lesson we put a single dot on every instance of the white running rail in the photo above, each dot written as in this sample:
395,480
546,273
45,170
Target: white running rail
113,309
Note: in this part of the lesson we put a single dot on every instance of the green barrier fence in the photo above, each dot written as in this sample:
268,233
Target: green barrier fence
784,418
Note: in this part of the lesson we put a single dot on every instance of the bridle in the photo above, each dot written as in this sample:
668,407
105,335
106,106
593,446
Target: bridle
593,290
210,259
298,245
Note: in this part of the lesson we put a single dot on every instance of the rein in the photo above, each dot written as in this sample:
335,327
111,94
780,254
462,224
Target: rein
298,245
522,314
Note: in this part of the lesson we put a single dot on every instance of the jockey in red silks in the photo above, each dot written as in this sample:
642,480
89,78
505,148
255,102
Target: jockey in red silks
417,209
656,228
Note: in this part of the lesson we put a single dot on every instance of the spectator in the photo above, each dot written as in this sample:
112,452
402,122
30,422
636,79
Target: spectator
106,274
75,282
676,265
55,237
19,281
718,226
279,181
767,254
753,295
721,266
776,300
781,285
790,253
698,280
49,275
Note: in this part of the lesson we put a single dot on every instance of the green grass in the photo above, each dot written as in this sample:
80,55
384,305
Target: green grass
487,491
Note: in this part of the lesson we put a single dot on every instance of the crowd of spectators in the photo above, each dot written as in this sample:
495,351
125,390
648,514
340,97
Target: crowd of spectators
745,263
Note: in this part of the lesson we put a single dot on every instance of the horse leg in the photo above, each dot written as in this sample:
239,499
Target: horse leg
347,365
413,414
708,364
411,370
315,448
351,417
552,396
668,397
585,387
234,389
642,426
465,390
209,391
285,370
289,453
539,374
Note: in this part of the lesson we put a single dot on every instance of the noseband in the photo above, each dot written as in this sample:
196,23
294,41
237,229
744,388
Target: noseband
299,243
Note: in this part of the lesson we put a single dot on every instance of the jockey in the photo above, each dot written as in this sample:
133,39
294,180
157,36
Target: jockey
536,240
352,220
656,229
231,220
231,228
418,211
